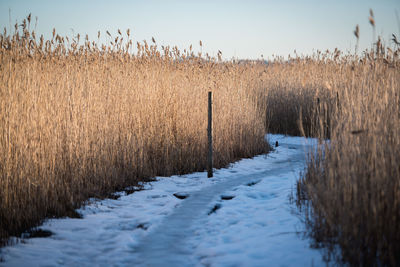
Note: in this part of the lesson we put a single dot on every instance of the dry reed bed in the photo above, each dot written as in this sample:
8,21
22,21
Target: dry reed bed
80,121
350,195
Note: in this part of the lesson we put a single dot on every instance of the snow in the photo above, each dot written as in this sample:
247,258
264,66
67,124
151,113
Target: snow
240,217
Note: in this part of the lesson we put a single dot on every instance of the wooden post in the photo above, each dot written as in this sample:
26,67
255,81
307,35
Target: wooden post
209,134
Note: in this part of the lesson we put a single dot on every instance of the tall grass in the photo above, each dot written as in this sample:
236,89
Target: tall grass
79,119
301,93
349,196
350,193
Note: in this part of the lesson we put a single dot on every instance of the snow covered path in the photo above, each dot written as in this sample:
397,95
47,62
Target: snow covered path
241,217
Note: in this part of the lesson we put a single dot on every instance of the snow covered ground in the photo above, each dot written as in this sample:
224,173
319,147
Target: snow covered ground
241,217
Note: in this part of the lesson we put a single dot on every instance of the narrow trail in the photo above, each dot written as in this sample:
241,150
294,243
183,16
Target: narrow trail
241,217
168,244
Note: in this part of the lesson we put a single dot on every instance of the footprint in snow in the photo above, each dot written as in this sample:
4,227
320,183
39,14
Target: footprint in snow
253,183
227,197
143,226
181,195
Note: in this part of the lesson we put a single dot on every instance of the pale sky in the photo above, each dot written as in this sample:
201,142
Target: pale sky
240,29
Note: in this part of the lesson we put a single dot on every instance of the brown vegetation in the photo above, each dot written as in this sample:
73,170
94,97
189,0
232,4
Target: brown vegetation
350,194
80,121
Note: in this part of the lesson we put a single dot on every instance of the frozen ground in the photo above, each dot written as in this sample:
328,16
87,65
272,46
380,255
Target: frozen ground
241,217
